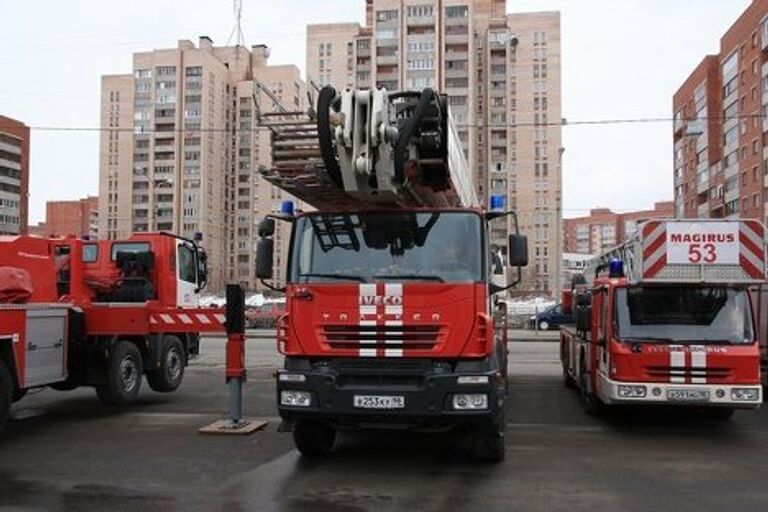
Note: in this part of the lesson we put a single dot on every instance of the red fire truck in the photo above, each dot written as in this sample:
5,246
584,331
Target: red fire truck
99,313
668,318
390,310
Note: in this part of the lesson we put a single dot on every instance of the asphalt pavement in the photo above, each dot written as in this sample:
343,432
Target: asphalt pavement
64,451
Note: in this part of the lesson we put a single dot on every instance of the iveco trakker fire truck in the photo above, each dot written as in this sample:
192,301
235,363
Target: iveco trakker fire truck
76,312
669,318
390,310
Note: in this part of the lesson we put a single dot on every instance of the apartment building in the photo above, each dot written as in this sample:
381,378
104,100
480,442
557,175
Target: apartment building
502,75
603,229
720,150
14,176
78,217
180,149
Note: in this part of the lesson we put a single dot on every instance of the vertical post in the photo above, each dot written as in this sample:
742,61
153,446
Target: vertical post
235,361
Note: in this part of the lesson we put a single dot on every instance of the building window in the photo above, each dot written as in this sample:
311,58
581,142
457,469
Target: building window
457,11
386,15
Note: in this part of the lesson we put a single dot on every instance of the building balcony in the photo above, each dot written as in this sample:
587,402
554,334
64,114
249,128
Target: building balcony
420,21
731,195
456,38
363,52
456,73
387,77
451,55
387,60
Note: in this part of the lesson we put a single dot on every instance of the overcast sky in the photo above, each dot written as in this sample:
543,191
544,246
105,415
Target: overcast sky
621,59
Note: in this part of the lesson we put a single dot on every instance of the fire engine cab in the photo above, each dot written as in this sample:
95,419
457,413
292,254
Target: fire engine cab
668,318
105,314
391,320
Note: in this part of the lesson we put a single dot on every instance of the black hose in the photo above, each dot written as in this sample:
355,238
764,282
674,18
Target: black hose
409,131
325,134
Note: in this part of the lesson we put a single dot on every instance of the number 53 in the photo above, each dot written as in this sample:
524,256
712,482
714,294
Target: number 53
698,253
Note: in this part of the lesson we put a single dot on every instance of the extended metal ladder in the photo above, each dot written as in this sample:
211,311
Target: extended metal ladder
365,149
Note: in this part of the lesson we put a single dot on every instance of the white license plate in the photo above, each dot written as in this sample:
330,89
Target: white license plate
379,402
688,395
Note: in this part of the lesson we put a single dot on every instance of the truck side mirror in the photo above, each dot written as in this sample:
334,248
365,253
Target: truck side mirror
265,257
202,269
518,250
583,318
266,227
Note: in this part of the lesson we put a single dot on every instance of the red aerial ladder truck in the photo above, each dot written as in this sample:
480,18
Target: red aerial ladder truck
99,313
390,282
669,318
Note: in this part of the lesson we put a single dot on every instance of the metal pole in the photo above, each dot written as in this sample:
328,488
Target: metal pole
235,364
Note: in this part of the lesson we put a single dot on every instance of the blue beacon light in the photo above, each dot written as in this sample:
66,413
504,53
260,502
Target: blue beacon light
286,208
616,268
497,203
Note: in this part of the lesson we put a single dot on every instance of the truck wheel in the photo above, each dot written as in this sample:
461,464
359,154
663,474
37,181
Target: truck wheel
6,394
313,438
589,402
171,372
123,375
567,379
488,441
543,325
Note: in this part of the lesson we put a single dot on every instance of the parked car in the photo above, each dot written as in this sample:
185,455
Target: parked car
551,318
264,315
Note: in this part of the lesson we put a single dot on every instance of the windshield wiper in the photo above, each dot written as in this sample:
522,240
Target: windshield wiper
351,277
420,277
648,338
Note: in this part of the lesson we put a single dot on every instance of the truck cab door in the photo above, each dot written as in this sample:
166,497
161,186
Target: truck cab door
187,275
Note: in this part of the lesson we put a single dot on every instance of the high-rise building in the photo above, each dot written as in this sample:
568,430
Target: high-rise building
180,148
78,217
720,150
14,176
603,229
502,75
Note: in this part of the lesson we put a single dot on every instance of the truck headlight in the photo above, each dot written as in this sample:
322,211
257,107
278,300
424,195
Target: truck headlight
745,394
296,398
466,402
632,391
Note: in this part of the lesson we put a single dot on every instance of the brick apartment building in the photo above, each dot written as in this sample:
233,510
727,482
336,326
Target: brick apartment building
502,75
720,112
189,163
14,176
78,217
603,229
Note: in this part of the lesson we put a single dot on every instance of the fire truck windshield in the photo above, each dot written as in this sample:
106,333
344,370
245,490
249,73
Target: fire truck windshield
392,246
684,314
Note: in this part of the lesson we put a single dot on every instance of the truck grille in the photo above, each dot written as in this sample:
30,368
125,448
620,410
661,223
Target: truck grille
407,337
664,373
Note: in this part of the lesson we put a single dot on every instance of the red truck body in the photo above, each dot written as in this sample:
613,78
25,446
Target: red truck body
659,330
101,314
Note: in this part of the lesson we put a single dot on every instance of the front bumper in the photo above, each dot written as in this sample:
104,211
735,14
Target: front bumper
658,393
427,392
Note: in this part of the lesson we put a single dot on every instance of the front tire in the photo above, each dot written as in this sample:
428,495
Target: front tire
567,379
313,438
123,375
543,325
589,402
168,377
6,393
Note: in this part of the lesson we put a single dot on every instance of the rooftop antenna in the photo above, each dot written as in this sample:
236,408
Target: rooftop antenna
237,30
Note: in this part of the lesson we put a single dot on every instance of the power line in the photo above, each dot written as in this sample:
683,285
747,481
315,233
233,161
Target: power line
562,123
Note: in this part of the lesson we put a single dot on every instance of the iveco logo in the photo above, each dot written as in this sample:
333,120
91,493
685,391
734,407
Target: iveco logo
378,300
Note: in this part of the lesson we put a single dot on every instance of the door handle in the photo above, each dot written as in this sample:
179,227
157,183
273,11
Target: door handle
303,294
58,344
31,346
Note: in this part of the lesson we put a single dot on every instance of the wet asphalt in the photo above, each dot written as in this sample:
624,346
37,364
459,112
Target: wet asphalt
64,451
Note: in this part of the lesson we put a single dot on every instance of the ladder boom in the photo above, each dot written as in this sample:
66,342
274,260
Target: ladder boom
363,149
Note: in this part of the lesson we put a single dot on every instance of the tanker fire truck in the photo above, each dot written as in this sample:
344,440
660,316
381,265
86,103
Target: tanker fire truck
668,318
390,318
99,313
